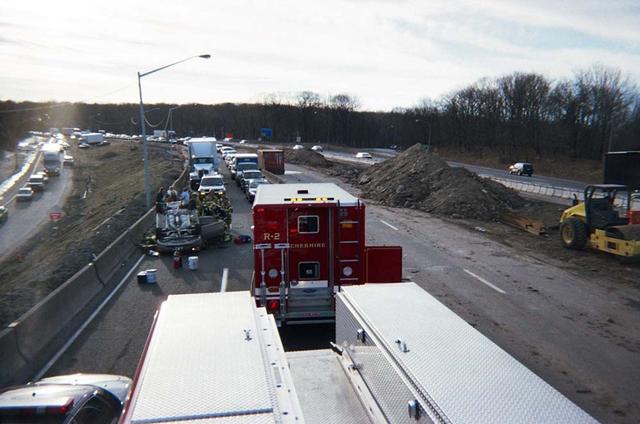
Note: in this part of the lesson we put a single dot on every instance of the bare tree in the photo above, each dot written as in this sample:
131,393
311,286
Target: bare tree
342,106
610,98
308,103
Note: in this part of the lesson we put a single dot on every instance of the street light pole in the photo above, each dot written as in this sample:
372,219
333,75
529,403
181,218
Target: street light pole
145,153
147,191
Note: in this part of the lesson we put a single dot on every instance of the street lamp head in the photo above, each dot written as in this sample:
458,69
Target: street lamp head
205,56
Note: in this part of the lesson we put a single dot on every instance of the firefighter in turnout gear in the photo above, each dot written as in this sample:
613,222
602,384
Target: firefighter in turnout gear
217,205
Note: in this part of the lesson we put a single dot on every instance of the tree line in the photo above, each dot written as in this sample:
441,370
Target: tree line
516,116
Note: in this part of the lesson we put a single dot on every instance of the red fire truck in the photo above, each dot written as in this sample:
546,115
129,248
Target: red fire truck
309,241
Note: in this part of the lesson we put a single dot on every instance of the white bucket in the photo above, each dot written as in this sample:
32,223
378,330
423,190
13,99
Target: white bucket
151,276
192,263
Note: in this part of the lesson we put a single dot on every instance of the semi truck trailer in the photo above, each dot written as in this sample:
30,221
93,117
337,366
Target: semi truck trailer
53,158
203,159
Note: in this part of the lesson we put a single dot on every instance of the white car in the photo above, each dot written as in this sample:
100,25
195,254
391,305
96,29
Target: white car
45,177
226,149
25,193
212,183
36,182
298,147
242,142
363,155
317,148
68,160
521,168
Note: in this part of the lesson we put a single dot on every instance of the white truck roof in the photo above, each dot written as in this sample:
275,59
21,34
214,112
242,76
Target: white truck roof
208,361
455,373
51,147
276,194
202,139
400,356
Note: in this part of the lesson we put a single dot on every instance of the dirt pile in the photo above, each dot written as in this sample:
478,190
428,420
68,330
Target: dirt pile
306,158
424,181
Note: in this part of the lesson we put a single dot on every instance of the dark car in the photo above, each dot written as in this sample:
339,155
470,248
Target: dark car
521,168
77,398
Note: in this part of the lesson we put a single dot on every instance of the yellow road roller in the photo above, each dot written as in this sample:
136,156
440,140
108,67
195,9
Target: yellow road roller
604,220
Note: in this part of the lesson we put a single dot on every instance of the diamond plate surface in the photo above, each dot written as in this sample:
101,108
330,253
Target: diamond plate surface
324,391
237,419
389,390
470,378
220,374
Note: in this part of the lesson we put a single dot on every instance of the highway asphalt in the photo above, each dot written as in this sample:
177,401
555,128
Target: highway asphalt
25,217
578,332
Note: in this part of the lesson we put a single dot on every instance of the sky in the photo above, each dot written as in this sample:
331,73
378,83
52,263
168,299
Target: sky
387,53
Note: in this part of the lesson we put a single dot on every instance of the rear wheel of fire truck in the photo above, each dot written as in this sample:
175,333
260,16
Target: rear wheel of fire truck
573,234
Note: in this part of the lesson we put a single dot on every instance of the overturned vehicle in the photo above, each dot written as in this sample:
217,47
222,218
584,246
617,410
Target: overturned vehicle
180,228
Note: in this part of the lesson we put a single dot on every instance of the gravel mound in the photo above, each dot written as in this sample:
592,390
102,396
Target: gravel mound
306,158
416,179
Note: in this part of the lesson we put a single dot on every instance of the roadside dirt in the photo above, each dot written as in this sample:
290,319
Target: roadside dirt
112,178
419,180
316,160
463,192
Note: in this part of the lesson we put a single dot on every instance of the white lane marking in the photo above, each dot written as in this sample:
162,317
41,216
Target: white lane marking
225,279
73,338
388,225
482,280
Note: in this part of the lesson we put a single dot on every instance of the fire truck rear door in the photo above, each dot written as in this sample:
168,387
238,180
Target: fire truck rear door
309,284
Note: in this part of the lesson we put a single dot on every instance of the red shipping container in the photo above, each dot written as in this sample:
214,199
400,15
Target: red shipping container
271,161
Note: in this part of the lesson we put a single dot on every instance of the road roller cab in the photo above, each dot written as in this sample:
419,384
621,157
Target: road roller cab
605,220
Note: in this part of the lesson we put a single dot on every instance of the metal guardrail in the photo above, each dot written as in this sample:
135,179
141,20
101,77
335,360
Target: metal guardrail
549,190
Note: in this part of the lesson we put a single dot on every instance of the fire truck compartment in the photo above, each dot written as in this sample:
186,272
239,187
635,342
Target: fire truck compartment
424,364
213,357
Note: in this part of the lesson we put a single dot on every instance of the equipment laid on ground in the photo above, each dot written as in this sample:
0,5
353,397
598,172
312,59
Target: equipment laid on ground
152,276
400,356
309,241
192,263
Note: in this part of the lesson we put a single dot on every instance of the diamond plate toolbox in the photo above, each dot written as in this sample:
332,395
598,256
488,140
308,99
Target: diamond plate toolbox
424,364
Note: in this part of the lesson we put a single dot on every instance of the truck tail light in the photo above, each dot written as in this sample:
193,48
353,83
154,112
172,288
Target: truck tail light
273,305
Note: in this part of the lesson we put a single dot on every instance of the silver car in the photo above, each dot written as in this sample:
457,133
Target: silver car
77,398
24,194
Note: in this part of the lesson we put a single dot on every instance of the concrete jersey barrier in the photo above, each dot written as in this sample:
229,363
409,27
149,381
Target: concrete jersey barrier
27,344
